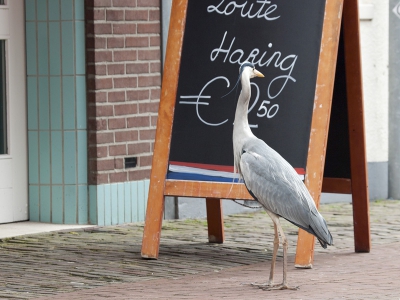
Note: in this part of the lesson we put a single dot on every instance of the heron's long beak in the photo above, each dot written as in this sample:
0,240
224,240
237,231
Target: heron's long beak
258,73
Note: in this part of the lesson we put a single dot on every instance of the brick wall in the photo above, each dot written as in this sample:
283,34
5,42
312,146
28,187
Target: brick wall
124,84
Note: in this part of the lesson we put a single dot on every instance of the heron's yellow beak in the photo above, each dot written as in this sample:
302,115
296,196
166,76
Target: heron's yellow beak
258,73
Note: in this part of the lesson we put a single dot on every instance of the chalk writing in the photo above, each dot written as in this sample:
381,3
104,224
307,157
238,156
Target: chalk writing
270,113
246,9
259,59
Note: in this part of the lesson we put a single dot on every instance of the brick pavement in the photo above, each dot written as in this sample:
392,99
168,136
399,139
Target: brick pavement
105,262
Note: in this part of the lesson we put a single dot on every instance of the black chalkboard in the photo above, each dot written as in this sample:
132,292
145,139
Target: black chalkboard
337,160
283,39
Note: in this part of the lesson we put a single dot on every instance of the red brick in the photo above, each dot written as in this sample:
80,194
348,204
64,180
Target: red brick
149,55
155,67
96,43
148,28
103,165
117,150
147,134
99,14
101,70
139,174
153,121
137,41
118,177
145,161
148,3
126,136
97,124
125,82
114,15
125,109
98,152
125,55
102,56
104,110
118,96
115,42
137,68
118,163
104,137
148,107
102,28
155,94
149,81
100,42
117,123
138,121
116,69
124,28
104,83
139,148
95,178
138,95
154,15
136,15
155,41
101,3
97,97
124,3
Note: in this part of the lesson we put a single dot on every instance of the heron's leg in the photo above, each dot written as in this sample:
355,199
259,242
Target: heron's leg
274,253
283,285
285,248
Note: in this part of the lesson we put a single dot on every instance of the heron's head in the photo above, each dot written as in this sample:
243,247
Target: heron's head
249,67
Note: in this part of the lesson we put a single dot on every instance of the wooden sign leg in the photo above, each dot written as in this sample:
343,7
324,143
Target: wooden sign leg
152,227
320,122
215,220
359,177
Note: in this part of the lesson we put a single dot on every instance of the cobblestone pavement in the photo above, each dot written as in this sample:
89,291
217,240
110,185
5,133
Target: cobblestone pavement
105,261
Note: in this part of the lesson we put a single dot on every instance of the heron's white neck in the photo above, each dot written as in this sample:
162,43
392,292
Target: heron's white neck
241,128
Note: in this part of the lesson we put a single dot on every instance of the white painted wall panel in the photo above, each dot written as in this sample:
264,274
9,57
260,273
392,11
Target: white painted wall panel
375,60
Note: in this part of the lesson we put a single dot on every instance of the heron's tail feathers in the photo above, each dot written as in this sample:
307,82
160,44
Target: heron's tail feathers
320,229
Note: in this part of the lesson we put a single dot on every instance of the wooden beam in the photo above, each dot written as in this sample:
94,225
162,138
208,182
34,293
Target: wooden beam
215,220
205,189
155,204
358,157
320,121
336,185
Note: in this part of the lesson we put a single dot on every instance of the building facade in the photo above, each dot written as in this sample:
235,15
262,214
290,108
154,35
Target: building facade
80,84
80,92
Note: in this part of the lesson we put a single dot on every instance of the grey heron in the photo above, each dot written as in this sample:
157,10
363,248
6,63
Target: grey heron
272,181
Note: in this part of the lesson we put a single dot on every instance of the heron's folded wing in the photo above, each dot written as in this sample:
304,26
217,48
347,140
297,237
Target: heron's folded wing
275,184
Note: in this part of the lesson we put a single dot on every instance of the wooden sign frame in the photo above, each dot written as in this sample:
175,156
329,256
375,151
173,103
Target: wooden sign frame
215,191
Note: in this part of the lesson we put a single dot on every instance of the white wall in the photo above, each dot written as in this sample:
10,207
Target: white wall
374,25
375,60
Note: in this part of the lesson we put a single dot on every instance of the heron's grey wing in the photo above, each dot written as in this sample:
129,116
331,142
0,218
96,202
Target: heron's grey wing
277,186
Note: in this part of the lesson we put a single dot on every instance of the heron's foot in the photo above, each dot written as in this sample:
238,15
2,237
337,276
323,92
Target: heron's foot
271,287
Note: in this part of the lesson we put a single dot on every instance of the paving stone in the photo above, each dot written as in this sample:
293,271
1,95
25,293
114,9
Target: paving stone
105,262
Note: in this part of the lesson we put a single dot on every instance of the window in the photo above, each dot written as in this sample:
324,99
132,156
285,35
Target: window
3,99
